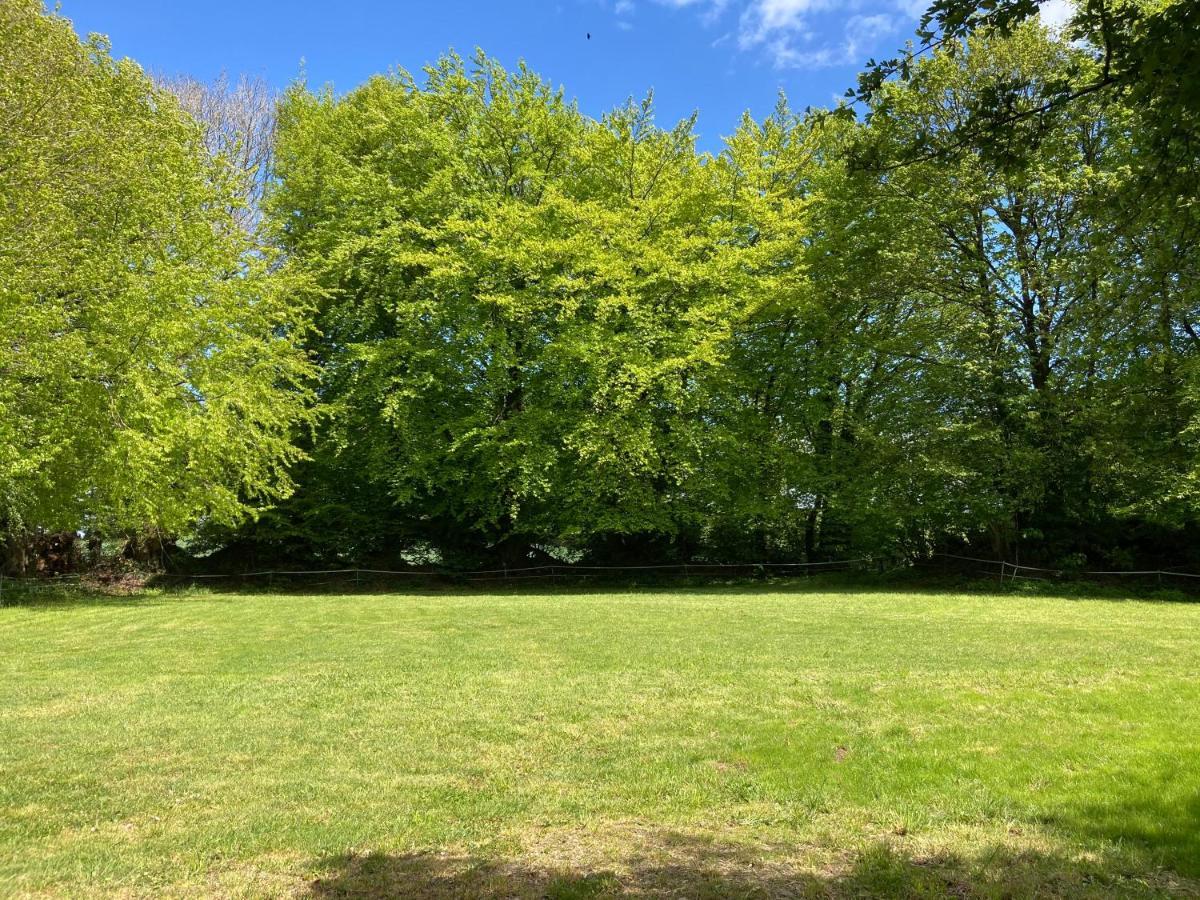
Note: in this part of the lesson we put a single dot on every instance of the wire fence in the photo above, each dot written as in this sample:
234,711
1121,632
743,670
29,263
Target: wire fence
1011,571
14,589
365,577
547,572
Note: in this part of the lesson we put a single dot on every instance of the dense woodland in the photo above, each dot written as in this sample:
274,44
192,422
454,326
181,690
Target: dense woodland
448,318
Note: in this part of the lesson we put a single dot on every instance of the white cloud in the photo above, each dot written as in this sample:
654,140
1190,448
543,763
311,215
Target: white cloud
763,21
913,9
1056,13
711,10
809,34
864,32
786,31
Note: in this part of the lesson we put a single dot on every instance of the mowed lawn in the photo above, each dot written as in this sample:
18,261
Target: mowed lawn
694,743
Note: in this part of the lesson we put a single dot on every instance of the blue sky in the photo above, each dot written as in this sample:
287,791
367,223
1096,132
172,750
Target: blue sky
720,57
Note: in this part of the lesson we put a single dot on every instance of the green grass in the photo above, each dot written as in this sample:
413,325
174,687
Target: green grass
707,742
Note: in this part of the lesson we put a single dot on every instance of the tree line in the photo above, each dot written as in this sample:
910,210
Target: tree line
451,318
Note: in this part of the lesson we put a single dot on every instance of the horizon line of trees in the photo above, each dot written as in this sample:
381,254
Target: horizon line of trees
452,318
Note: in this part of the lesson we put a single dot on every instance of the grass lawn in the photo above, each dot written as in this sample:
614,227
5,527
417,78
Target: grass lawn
713,742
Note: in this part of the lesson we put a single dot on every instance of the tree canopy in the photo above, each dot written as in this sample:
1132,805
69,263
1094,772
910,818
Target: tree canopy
148,377
967,317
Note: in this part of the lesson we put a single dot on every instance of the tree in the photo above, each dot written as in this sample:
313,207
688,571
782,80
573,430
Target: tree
238,122
1139,51
1049,294
544,336
504,284
148,378
827,396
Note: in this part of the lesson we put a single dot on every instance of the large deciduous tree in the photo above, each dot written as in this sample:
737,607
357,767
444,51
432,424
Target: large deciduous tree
544,333
969,318
148,378
1064,308
514,313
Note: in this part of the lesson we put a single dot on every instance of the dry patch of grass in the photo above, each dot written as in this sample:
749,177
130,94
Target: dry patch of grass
632,860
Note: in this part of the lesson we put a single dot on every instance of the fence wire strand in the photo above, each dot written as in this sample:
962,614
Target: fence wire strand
1005,570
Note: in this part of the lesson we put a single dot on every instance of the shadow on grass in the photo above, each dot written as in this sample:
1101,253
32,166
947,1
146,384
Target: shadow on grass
518,586
675,865
891,584
62,601
161,592
1164,831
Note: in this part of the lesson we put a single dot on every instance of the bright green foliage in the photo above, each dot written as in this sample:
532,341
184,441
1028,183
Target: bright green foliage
544,332
826,402
519,302
540,334
147,377
1066,316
